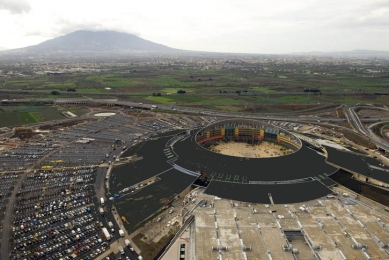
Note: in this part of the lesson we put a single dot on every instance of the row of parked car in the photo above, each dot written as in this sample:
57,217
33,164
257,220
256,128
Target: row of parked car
55,217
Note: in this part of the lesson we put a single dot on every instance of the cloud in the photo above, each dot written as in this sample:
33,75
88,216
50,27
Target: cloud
63,26
368,15
217,25
15,6
66,26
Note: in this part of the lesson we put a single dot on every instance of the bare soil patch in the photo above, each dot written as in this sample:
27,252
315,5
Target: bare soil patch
373,113
262,150
341,113
61,125
352,137
150,250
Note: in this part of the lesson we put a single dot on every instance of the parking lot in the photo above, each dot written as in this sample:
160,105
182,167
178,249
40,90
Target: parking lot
55,213
55,216
21,157
90,142
7,182
97,142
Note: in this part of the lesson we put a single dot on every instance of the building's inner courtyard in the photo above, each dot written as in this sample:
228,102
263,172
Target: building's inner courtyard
264,149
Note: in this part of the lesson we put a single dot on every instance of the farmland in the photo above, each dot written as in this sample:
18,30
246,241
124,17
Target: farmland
20,115
169,79
231,86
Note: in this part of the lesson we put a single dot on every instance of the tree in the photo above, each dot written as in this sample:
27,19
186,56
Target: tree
159,94
181,91
54,93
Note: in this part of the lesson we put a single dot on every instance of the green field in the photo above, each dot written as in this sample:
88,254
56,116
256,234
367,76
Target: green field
61,86
295,99
79,111
174,90
92,90
218,85
12,116
261,89
160,99
12,119
157,79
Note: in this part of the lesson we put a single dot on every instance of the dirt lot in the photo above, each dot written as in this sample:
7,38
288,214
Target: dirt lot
263,150
150,250
340,113
373,113
351,136
64,124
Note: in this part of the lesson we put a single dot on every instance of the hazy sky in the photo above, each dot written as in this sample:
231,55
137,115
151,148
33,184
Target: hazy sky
250,26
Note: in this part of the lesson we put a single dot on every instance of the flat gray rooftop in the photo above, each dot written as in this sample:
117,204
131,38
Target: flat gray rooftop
264,228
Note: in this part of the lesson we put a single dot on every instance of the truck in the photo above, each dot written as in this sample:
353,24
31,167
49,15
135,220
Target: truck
120,248
121,233
111,226
154,106
101,210
127,242
106,233
102,201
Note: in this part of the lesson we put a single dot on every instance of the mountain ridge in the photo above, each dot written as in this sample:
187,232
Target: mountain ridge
356,52
110,42
96,41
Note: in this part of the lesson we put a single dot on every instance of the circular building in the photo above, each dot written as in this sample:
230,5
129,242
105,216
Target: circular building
299,174
264,140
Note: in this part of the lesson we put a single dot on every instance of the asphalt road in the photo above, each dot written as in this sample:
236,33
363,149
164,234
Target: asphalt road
279,117
355,121
5,234
108,215
99,183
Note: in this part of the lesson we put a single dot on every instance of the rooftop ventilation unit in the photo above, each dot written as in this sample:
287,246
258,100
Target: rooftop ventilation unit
219,248
246,248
